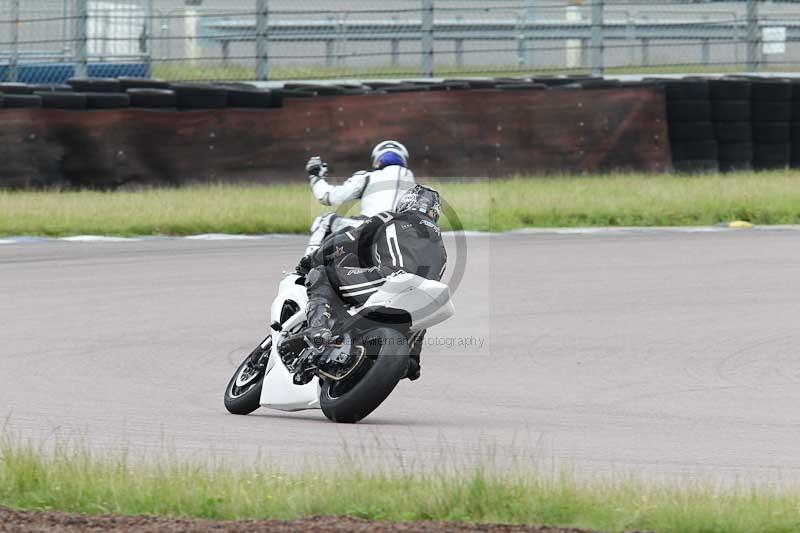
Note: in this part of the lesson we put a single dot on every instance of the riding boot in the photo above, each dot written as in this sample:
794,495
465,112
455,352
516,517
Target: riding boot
318,312
320,322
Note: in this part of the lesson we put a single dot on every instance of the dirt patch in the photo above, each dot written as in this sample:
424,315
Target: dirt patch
30,522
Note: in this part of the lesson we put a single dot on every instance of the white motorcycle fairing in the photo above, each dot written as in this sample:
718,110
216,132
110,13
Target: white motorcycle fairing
427,302
279,390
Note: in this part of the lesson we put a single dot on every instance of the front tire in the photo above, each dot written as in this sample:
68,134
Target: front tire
356,397
243,393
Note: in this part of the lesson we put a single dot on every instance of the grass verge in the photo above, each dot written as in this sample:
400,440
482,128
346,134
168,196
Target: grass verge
74,480
215,70
496,205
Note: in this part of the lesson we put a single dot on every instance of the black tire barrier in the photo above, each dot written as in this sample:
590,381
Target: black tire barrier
771,156
377,85
452,86
480,84
731,110
641,84
295,93
695,166
404,88
200,96
319,90
796,108
276,99
794,156
683,89
152,98
16,88
772,111
356,92
736,152
772,132
695,151
553,82
730,89
249,98
520,87
141,83
599,84
63,100
95,85
735,166
107,100
688,110
22,101
51,88
771,90
691,131
733,132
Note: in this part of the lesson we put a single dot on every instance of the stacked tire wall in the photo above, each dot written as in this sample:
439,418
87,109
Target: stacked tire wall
772,116
731,114
98,133
734,123
795,155
691,132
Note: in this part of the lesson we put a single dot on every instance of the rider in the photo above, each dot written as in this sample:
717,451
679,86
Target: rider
354,262
378,189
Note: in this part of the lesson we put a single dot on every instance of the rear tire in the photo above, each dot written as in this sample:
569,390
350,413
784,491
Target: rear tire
389,364
243,393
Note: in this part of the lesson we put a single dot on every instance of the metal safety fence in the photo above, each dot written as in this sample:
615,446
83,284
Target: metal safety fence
46,40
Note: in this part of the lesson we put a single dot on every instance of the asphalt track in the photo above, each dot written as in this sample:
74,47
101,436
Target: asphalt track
657,353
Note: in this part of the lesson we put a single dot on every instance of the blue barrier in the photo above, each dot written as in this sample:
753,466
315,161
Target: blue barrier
61,72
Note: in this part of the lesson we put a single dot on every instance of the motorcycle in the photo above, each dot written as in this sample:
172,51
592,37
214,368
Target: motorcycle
349,377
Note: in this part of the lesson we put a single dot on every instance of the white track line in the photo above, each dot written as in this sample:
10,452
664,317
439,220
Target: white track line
98,238
473,234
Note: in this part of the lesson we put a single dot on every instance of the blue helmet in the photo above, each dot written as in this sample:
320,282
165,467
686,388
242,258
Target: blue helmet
388,153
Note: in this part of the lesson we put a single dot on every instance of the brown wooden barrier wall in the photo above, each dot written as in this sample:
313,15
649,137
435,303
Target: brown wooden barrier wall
449,134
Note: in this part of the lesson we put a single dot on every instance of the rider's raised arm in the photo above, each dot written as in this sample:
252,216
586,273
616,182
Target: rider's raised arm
335,195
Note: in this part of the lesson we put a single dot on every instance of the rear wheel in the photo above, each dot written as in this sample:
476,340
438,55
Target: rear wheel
385,363
243,393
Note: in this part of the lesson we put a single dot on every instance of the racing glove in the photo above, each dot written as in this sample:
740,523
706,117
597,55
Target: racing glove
305,265
317,169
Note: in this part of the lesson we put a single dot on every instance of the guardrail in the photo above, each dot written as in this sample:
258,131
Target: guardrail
584,34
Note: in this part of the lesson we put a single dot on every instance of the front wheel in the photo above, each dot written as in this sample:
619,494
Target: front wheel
243,393
385,364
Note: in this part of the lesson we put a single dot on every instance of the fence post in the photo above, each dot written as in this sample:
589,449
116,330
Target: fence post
13,61
753,37
530,18
147,39
81,38
262,50
597,38
574,47
427,39
395,45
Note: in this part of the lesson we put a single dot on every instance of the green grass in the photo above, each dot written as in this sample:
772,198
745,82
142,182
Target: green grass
72,479
496,205
207,70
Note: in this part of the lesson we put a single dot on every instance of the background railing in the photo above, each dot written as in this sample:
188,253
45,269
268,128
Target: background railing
46,40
